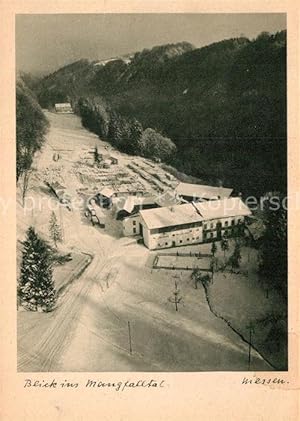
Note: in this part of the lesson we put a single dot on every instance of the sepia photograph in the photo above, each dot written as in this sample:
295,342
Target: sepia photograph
151,204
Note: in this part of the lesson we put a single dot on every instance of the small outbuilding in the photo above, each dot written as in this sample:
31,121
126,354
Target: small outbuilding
64,108
104,198
201,192
133,204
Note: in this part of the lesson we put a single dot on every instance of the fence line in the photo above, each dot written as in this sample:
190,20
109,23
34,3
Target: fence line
181,268
178,254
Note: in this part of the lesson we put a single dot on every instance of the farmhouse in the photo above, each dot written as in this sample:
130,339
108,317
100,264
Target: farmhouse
192,223
129,212
195,192
132,225
64,108
168,198
131,205
107,195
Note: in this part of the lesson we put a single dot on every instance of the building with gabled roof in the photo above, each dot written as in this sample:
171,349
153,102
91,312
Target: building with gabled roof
192,223
195,192
130,205
129,211
168,198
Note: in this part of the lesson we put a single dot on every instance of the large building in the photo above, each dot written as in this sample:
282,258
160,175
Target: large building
196,192
191,223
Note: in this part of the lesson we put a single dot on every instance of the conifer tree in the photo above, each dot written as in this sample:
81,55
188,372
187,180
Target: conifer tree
136,131
236,257
273,249
224,245
55,230
36,287
214,248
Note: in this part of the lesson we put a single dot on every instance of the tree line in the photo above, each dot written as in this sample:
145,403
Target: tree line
125,133
31,127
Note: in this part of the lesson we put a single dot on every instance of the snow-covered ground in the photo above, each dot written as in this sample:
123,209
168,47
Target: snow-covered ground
88,331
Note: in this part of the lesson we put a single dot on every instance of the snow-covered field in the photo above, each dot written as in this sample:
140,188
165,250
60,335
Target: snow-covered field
88,331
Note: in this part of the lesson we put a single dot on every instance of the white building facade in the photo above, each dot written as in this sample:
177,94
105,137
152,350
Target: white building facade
192,223
132,225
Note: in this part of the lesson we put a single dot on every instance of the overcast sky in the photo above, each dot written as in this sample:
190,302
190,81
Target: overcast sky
46,42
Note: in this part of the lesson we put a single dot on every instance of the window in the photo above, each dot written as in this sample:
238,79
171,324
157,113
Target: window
134,222
232,222
211,235
134,230
205,226
180,241
226,223
226,232
211,225
187,239
239,221
166,244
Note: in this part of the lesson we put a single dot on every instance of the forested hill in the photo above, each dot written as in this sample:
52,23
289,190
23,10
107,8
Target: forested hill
224,105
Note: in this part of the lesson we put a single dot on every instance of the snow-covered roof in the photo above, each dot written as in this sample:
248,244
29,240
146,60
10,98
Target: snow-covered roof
170,216
63,104
194,212
132,201
168,198
202,191
107,192
216,209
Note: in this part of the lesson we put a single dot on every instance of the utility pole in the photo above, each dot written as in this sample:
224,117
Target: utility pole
129,337
251,331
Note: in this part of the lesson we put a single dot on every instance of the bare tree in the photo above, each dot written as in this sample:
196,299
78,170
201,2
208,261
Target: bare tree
177,299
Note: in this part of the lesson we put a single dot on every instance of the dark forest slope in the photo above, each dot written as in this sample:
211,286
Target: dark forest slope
224,105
